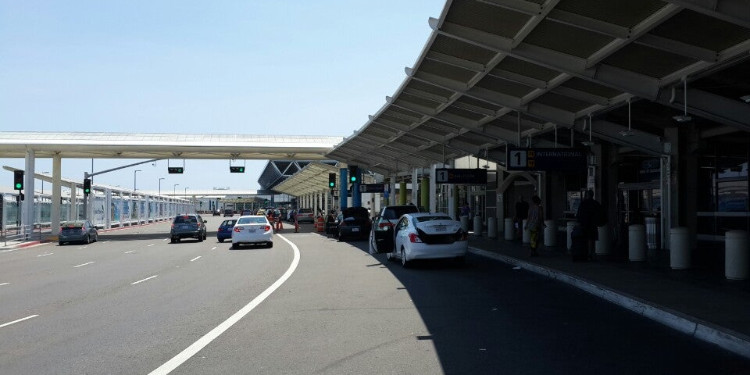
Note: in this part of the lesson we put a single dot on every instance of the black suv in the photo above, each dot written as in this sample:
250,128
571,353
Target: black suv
188,226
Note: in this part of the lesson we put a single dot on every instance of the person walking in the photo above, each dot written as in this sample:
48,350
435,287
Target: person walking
535,223
522,213
590,216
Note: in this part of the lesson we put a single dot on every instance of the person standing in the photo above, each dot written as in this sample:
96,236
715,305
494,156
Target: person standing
535,223
522,213
590,216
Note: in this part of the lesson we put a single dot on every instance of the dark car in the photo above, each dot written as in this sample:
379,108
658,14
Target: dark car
188,226
225,229
217,213
229,213
77,231
354,222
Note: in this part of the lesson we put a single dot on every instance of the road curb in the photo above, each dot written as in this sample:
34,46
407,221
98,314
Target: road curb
724,338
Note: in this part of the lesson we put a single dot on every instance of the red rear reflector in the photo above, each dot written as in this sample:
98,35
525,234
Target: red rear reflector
238,229
414,238
268,227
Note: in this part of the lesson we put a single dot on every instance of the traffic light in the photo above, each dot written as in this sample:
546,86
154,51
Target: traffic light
175,169
87,186
236,169
18,180
353,174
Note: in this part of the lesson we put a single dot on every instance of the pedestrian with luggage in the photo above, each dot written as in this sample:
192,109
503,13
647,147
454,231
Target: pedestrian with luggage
535,223
590,217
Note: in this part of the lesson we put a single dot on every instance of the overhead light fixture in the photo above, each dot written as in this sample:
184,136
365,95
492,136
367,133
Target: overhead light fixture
629,132
590,142
745,98
684,117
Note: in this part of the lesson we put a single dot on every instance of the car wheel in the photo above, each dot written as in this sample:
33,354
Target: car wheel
87,240
60,243
390,256
96,237
404,263
200,238
221,240
270,245
171,240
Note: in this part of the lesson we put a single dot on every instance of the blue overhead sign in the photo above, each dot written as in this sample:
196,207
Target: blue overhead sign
546,159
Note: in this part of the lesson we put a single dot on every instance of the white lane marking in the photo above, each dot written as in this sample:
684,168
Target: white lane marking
213,248
191,350
44,255
84,264
1,284
149,245
130,252
196,258
17,321
146,279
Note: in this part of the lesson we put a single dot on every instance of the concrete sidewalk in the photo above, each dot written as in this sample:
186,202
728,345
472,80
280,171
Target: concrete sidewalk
711,309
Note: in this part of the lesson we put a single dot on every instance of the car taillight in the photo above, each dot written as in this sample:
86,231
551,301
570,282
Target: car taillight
385,224
414,238
267,228
238,229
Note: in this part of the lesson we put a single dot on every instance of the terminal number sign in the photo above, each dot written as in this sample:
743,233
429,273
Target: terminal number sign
546,159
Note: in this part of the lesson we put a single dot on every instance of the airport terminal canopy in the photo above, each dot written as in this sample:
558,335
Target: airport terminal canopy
165,146
519,72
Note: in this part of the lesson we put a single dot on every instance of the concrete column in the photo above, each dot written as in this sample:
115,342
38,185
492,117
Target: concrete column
425,194
56,195
491,227
432,189
108,209
415,186
392,196
402,193
27,205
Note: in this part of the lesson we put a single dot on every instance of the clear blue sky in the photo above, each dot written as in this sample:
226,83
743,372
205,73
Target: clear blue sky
301,67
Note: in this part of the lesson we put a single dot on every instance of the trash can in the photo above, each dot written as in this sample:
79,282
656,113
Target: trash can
736,257
526,233
637,243
653,238
509,230
550,233
491,227
465,223
679,252
477,225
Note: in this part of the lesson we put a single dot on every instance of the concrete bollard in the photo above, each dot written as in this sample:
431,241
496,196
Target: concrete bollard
679,254
550,233
477,225
602,245
526,239
491,227
637,243
569,230
736,255
465,223
509,230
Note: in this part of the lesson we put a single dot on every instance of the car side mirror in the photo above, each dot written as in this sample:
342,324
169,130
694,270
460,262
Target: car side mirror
205,221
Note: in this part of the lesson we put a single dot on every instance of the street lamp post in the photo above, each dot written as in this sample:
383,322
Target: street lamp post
160,178
43,183
134,175
173,190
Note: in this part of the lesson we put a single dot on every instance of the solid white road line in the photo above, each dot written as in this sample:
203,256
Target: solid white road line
146,279
213,248
196,258
149,245
17,321
84,264
1,284
44,255
191,350
130,252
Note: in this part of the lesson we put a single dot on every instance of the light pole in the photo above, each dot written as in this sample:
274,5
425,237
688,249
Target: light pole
173,190
160,178
43,183
134,175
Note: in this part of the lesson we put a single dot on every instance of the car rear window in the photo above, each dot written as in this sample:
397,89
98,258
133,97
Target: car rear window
252,220
391,213
227,223
421,219
185,220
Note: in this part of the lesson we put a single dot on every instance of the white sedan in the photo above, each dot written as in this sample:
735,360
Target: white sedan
252,230
428,236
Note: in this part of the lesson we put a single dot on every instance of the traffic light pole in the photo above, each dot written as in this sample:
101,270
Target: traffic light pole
89,175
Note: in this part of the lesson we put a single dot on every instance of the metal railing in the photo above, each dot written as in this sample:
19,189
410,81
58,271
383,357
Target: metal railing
21,233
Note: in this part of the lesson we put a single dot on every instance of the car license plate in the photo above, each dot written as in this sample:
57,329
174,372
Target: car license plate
439,228
355,229
251,229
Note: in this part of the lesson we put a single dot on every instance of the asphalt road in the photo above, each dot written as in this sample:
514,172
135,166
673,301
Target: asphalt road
133,303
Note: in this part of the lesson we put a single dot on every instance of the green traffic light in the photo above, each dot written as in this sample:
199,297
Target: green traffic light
18,186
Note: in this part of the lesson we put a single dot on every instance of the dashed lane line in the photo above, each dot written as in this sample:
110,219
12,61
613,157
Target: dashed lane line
146,279
196,258
18,321
84,264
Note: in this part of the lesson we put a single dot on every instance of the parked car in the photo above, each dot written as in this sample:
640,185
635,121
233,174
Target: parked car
187,226
246,213
429,236
225,229
305,215
217,213
229,213
77,231
353,222
381,234
252,230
